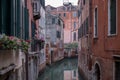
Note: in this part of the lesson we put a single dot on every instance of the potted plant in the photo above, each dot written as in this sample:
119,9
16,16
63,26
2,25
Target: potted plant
13,43
9,42
25,45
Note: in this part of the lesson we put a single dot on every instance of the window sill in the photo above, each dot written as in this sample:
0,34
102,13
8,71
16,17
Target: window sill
95,37
112,35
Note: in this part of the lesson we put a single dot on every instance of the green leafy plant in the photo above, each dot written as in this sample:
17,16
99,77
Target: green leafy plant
11,42
24,45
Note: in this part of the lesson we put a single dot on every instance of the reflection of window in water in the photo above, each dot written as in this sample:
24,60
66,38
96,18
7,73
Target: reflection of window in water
74,73
70,75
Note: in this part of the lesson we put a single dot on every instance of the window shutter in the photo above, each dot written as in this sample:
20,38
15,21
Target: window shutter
12,18
18,16
5,16
26,22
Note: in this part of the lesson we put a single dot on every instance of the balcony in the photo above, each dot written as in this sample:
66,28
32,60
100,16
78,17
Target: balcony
36,9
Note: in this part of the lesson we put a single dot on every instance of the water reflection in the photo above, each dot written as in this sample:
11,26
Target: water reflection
70,75
63,70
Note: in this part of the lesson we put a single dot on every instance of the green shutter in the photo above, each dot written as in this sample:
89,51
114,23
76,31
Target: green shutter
12,18
26,23
18,16
5,16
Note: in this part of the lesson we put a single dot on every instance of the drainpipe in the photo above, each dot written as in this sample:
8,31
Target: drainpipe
26,57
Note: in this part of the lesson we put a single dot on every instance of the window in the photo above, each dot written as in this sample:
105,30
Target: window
96,22
35,7
74,73
117,70
59,14
58,34
74,25
83,2
59,22
74,14
87,25
79,12
53,20
79,33
112,17
64,14
84,28
74,36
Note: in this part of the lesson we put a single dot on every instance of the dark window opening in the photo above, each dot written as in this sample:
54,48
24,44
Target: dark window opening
64,14
113,17
96,23
74,25
58,34
83,2
53,20
59,14
35,7
117,70
74,36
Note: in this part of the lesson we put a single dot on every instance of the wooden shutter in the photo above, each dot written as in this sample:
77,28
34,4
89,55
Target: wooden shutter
26,23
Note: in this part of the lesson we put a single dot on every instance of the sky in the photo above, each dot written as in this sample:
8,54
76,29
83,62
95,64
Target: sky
56,3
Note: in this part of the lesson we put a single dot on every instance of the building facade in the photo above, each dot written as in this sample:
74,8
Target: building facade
54,38
68,13
83,36
102,59
13,23
42,27
19,19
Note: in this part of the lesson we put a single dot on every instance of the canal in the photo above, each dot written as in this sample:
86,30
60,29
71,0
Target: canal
66,69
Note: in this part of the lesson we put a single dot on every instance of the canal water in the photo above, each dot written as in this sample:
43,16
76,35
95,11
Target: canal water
66,69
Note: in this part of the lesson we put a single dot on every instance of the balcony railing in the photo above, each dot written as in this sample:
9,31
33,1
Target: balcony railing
36,9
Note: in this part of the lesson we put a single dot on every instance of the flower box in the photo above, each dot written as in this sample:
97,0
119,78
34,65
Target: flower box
11,42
